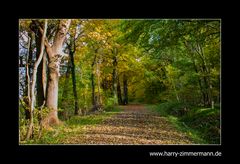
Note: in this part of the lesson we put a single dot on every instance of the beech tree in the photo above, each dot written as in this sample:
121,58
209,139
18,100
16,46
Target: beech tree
55,54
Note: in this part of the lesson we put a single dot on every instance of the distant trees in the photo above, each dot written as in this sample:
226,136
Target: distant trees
190,49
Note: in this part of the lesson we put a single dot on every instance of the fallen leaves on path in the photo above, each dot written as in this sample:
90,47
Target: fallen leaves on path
135,125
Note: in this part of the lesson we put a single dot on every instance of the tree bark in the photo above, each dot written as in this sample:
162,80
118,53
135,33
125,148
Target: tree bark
30,54
28,77
44,75
39,82
74,83
119,92
125,89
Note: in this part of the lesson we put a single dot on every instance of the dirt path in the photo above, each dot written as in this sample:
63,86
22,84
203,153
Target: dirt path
135,125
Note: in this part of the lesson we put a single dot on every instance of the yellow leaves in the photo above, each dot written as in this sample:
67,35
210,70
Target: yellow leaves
96,36
108,34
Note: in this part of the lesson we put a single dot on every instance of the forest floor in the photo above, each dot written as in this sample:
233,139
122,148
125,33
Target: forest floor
133,125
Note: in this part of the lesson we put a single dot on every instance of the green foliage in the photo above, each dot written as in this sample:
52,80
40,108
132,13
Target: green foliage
169,108
51,136
190,49
23,123
86,120
201,124
109,104
206,121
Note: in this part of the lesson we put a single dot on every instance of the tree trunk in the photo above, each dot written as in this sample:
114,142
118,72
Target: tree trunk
93,92
30,127
29,60
39,82
199,83
74,82
114,77
52,94
30,54
125,89
44,75
54,55
93,85
32,100
202,90
206,73
28,77
175,89
98,84
119,92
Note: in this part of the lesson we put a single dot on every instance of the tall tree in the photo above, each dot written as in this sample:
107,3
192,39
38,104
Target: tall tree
114,76
55,55
40,73
71,54
72,49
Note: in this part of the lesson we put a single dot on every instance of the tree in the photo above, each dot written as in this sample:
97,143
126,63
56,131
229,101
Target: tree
114,76
55,55
120,101
32,94
164,40
72,49
94,102
125,86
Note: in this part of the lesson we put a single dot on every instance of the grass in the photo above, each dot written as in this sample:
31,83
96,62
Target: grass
206,121
202,125
72,127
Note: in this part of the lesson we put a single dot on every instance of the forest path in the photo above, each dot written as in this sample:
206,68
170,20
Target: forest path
134,125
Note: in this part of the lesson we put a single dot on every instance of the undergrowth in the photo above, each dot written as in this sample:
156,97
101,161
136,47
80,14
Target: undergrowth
201,124
74,126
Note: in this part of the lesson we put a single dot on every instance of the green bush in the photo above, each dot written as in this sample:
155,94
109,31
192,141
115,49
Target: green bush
24,123
204,122
109,104
170,108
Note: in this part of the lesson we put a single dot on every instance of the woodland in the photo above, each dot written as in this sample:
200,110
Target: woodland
119,81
